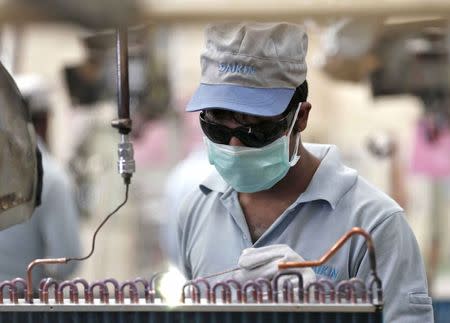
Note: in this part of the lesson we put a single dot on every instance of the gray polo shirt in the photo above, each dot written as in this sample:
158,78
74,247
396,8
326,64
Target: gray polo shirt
212,232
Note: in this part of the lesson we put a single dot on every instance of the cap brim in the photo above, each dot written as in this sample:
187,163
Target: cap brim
256,101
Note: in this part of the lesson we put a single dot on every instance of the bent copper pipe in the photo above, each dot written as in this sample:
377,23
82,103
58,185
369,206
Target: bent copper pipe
85,284
133,292
263,282
277,277
334,249
116,286
288,291
237,286
345,290
152,286
256,292
207,286
330,286
17,281
226,293
45,289
146,287
195,292
360,288
73,292
319,292
29,295
11,286
103,294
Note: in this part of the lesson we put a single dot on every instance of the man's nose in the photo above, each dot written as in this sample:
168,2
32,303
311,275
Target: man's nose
235,142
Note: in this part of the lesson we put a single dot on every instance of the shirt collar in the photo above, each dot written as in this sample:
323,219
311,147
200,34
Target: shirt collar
332,178
330,182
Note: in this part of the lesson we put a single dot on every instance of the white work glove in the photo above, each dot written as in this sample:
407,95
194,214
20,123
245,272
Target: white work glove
263,262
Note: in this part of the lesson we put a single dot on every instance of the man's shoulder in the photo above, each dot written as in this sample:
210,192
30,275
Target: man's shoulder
369,204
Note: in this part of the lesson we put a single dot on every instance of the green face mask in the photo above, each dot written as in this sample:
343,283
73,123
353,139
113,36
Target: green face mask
251,170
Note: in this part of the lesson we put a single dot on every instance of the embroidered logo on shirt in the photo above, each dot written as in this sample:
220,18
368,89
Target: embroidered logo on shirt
236,68
327,271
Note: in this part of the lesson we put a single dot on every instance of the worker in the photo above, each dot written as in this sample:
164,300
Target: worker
53,230
275,198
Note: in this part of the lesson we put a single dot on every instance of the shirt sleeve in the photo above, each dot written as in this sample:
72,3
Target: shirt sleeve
401,270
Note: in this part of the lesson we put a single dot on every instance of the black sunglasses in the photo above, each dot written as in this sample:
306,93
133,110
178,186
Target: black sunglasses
256,135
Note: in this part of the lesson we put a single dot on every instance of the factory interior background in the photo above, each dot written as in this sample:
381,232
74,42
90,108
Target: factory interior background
395,136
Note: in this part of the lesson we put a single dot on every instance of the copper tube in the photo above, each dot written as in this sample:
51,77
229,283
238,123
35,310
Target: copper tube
360,287
41,288
288,273
263,282
49,283
29,295
134,296
85,284
115,283
146,287
288,291
330,285
256,292
22,281
152,286
104,295
319,292
195,293
73,293
333,250
345,288
238,287
11,287
226,293
207,286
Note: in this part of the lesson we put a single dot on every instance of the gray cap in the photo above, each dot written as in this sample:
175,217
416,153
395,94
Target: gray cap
251,68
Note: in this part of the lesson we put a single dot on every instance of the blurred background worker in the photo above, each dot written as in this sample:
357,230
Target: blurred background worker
53,230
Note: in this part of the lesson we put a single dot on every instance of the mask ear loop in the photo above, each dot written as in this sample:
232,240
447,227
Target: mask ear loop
295,158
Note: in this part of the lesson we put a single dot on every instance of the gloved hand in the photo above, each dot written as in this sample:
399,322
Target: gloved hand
263,262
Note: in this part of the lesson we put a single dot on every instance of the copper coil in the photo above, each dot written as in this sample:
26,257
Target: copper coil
288,292
103,292
116,286
12,291
153,286
267,285
377,296
360,289
41,288
45,289
203,281
84,283
256,292
73,292
319,292
280,274
146,284
345,290
225,295
195,292
237,286
132,290
330,291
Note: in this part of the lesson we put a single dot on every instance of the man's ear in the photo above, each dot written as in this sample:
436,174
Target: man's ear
302,117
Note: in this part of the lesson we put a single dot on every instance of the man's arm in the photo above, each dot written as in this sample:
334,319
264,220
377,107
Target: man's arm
401,269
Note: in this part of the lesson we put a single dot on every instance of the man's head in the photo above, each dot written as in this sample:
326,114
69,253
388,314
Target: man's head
253,93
